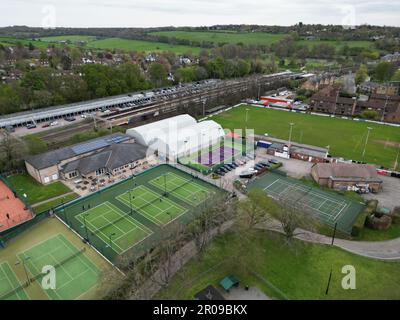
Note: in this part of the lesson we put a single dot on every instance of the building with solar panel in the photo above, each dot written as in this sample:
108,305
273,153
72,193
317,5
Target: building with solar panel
108,155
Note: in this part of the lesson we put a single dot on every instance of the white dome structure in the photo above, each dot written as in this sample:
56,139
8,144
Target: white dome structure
177,136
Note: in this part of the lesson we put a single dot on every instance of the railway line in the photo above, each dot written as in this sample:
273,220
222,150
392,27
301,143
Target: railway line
195,101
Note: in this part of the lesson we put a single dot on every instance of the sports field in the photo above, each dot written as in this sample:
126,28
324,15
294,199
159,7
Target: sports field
75,273
210,158
129,216
8,283
155,207
346,138
329,207
182,188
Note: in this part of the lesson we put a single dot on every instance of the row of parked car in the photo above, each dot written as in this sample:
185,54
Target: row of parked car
229,167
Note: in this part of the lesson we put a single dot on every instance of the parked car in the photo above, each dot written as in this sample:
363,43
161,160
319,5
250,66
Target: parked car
54,123
273,161
70,119
31,126
46,125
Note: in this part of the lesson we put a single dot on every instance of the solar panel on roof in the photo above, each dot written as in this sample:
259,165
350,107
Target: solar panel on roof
117,139
90,146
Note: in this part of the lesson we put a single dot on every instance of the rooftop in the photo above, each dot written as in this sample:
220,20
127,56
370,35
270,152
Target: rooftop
54,157
340,171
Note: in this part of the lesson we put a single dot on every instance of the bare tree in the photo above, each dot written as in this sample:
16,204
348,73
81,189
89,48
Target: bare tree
295,212
257,208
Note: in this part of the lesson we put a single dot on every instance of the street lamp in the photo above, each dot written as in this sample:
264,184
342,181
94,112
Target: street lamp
366,142
247,116
130,201
28,280
290,134
85,225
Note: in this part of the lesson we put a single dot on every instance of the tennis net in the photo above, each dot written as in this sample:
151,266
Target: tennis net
13,291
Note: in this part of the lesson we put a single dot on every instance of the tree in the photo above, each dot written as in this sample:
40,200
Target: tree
11,151
396,76
384,71
294,214
158,74
361,74
185,74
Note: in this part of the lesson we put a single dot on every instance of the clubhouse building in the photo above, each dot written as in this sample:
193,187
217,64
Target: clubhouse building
106,156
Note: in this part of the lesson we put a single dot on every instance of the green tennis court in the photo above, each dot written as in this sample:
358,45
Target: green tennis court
329,207
116,228
183,188
155,207
10,287
75,273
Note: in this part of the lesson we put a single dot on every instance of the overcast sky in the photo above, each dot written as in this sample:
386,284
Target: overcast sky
154,13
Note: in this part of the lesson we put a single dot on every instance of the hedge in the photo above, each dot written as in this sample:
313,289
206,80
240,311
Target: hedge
362,218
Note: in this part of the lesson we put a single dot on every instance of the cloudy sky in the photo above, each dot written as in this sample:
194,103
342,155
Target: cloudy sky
148,13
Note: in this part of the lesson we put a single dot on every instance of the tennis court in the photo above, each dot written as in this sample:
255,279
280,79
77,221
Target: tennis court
217,156
130,216
155,207
75,273
183,188
329,207
10,287
116,228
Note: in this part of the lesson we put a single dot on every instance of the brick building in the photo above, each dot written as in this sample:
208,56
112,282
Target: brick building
328,100
346,176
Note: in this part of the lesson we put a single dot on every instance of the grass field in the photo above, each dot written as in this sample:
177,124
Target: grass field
225,37
54,203
36,192
75,273
130,216
13,41
346,138
72,38
252,38
139,45
300,271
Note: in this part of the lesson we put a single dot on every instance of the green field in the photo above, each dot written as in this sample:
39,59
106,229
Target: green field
7,41
72,38
260,38
251,38
139,45
346,138
36,192
54,203
299,271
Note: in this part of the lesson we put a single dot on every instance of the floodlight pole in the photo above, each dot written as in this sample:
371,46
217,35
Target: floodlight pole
397,158
86,229
165,184
330,274
130,201
366,142
290,134
247,116
110,239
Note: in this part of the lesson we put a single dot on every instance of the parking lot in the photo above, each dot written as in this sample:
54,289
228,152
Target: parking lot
390,194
